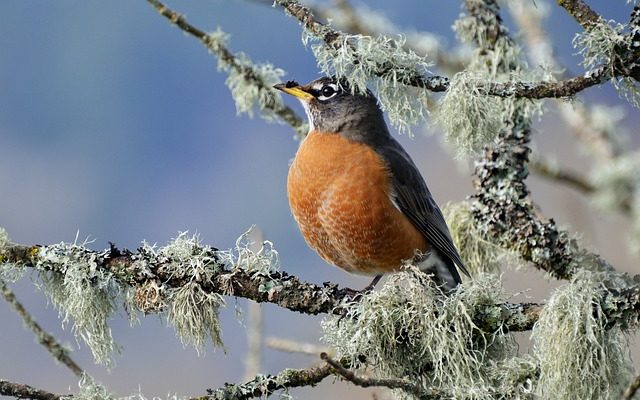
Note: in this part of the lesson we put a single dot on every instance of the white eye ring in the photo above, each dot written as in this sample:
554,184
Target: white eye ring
328,91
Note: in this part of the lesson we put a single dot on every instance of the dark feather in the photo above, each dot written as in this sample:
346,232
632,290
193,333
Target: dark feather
412,197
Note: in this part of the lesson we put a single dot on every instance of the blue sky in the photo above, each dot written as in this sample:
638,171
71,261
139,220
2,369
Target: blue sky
116,125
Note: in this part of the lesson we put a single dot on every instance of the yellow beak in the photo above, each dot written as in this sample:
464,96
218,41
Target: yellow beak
295,91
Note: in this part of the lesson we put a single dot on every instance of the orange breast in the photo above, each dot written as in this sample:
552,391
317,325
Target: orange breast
339,195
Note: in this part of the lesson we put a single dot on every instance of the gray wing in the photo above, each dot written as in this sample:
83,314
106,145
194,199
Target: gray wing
412,197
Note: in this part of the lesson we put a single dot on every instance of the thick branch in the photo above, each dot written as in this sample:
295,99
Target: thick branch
502,208
274,287
44,338
264,385
21,391
581,12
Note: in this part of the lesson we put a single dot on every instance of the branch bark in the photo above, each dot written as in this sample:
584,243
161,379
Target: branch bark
277,288
502,206
403,384
532,90
265,385
44,338
22,391
284,112
581,12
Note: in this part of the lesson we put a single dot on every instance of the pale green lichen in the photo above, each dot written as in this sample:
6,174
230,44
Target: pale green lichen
192,311
580,356
383,65
469,117
83,294
91,390
251,85
515,378
9,272
599,45
409,329
250,256
194,314
479,253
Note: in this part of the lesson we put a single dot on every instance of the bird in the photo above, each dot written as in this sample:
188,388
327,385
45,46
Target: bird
357,196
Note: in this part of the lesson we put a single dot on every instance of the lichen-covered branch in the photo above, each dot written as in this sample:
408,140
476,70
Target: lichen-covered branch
588,125
631,390
44,338
139,269
22,391
390,383
502,208
266,97
362,21
263,386
335,39
150,274
581,12
534,90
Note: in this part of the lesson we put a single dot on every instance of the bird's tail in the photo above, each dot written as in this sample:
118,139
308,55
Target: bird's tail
443,270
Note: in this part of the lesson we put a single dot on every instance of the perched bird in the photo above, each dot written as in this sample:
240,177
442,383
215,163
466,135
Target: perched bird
357,196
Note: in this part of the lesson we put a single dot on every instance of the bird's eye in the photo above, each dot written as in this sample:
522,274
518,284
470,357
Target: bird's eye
328,91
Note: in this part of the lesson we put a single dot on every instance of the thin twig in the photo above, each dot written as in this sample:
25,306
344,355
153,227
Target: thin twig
404,384
599,141
293,346
44,338
550,171
22,391
631,390
284,112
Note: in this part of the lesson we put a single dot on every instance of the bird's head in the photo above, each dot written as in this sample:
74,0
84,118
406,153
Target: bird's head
332,108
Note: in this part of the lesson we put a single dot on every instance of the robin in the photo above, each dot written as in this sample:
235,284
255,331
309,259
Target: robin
357,196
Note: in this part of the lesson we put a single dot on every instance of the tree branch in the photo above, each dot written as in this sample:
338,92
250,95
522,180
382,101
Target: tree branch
532,90
502,207
581,12
139,270
265,385
547,170
631,390
292,346
390,383
44,338
21,391
284,112
353,20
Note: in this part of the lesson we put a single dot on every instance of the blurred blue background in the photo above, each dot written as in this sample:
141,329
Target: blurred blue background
116,125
